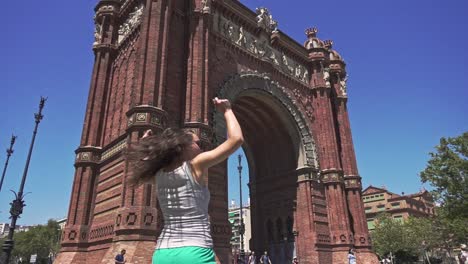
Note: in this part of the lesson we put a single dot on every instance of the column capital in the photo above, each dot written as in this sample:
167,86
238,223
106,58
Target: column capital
353,182
331,176
305,174
87,156
146,116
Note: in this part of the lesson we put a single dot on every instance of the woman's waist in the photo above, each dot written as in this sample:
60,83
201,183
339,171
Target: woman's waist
181,224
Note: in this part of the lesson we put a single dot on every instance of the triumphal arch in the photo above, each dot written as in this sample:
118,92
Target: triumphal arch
158,63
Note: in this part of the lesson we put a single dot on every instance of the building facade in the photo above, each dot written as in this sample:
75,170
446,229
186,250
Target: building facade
4,228
380,200
159,64
234,220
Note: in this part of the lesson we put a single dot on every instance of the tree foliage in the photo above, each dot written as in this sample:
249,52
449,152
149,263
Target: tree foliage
446,172
43,240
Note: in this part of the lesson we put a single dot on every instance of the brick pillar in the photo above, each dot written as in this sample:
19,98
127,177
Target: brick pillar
331,171
352,178
353,184
150,70
304,225
76,233
104,51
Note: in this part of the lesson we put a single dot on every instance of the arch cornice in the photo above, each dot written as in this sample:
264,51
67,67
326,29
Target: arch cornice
245,81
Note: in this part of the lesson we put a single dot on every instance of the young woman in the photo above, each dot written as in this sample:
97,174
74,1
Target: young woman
179,167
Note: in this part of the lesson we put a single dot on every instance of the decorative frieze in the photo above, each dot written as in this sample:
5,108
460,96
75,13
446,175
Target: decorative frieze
259,46
114,150
132,21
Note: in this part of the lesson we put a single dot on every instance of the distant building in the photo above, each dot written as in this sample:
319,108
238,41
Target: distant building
4,227
377,200
22,228
234,219
62,223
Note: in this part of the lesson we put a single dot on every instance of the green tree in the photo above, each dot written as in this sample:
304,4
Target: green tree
41,240
446,172
389,235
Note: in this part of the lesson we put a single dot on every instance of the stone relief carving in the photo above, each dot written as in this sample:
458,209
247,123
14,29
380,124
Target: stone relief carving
97,33
253,46
265,20
286,65
134,18
343,85
242,40
273,58
206,6
228,30
259,46
326,77
305,76
298,71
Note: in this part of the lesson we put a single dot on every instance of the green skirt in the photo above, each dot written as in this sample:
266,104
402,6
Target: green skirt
181,255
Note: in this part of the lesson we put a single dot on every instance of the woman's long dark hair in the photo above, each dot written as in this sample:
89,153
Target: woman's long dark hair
153,153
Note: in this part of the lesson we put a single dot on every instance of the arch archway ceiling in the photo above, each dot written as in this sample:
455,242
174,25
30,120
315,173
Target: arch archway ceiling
267,137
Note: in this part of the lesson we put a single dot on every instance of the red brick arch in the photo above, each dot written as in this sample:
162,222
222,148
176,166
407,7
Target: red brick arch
159,64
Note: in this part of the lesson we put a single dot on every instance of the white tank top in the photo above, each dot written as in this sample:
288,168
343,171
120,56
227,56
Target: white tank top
184,204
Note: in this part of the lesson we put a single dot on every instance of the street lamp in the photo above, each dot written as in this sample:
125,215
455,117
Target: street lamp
241,226
9,153
18,204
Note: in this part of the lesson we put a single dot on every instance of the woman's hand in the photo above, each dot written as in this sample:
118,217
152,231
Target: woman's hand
148,133
222,105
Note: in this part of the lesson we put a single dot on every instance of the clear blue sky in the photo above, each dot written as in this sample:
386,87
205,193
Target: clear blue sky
408,86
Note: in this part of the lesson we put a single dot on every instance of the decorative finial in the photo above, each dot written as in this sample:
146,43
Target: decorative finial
328,43
311,32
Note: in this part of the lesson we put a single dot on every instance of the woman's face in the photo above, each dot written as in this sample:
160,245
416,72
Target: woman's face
194,148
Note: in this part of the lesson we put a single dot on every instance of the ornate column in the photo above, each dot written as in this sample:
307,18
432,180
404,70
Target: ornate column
104,50
75,235
326,136
353,185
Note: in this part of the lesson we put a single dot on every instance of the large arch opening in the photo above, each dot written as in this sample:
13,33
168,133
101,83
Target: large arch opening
275,149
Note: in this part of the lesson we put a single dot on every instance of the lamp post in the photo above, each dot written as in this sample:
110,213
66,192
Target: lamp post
17,205
241,226
9,153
